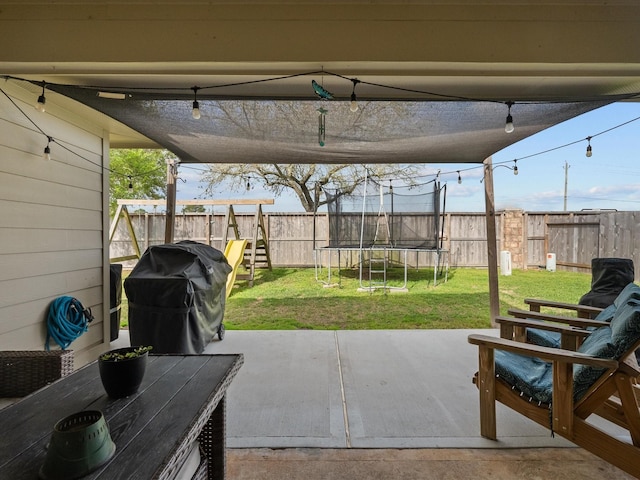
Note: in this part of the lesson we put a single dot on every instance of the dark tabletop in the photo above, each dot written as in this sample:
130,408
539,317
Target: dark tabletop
147,427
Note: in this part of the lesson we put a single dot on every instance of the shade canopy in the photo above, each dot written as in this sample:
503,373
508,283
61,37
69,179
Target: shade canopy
288,130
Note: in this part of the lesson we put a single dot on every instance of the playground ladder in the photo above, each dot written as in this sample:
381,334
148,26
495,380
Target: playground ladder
383,231
377,266
256,255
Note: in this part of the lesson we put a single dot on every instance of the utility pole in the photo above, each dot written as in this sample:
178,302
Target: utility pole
566,182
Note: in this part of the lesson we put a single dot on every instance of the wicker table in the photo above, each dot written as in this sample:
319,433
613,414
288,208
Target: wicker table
182,399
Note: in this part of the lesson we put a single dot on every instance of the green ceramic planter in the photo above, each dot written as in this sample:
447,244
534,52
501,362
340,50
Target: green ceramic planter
80,443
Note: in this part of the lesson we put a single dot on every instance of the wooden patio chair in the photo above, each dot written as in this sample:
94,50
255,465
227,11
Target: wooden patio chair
539,328
581,311
561,389
555,331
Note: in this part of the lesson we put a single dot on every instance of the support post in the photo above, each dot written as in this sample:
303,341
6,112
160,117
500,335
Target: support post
172,173
492,244
487,388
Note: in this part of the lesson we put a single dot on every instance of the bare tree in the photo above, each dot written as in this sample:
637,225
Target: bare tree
304,180
293,122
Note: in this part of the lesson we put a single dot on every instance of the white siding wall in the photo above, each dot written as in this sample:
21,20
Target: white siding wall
52,227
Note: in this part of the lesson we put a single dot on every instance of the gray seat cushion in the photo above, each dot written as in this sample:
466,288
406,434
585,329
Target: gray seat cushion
529,375
630,292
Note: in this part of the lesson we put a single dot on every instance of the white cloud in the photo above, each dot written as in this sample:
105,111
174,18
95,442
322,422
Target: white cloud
463,190
615,190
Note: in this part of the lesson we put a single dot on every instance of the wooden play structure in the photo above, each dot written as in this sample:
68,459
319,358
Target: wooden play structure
256,252
250,251
593,374
123,212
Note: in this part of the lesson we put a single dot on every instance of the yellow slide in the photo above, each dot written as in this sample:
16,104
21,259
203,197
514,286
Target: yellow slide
234,253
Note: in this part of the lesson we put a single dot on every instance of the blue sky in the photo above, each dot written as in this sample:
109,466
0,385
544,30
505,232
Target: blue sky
609,179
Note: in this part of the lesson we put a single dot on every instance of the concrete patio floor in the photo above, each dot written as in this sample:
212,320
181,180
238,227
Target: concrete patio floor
377,404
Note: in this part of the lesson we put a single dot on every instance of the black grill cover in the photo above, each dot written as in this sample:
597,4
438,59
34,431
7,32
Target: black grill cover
176,297
608,277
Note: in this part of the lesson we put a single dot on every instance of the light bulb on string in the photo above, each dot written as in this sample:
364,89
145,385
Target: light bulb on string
195,112
130,184
47,150
508,126
459,178
515,167
589,151
40,105
353,105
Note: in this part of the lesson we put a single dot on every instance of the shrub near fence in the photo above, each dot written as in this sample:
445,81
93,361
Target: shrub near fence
575,237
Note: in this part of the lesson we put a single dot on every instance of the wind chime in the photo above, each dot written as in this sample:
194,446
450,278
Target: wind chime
322,118
322,112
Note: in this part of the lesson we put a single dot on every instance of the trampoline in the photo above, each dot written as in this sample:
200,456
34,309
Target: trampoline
376,222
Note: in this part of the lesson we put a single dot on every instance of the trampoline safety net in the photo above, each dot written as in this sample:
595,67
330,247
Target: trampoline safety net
378,216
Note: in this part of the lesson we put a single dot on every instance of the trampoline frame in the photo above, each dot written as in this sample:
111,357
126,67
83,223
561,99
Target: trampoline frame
441,262
385,248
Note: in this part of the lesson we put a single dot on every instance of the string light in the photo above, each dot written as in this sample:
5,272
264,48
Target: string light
41,100
61,145
459,178
318,89
47,150
130,183
353,105
195,113
501,165
508,126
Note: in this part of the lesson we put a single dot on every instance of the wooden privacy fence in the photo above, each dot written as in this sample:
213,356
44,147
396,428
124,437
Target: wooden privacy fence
574,237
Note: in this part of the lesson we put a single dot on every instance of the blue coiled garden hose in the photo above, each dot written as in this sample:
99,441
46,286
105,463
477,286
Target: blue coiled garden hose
67,320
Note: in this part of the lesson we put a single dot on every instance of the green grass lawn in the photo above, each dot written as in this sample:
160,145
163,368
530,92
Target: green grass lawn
287,298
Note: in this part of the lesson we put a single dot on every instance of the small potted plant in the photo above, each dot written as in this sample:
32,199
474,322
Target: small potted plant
122,370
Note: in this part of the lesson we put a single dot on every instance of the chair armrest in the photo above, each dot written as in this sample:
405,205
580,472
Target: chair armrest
583,311
573,321
551,327
545,353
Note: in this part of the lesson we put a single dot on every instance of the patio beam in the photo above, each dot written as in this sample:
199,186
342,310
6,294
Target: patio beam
492,243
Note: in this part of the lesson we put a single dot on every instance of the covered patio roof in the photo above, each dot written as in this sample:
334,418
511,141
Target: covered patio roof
432,78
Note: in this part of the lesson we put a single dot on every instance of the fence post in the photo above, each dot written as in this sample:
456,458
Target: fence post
512,234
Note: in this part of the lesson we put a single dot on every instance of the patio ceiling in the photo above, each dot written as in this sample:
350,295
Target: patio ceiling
434,76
